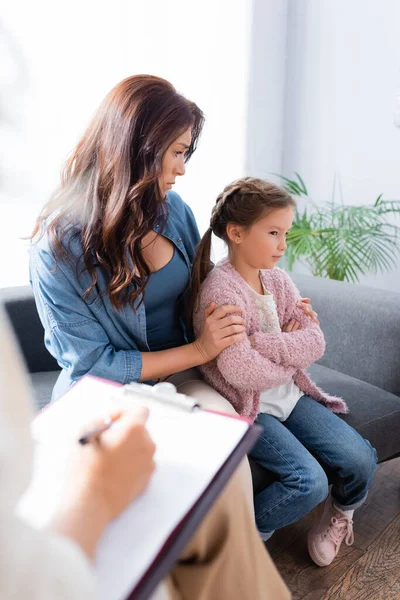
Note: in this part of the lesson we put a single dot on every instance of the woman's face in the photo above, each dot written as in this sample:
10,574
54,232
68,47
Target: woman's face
173,162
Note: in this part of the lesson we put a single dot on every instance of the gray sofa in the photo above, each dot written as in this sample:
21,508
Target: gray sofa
361,363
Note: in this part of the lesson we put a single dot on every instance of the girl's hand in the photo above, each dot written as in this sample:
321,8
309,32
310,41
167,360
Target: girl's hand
221,329
305,305
291,326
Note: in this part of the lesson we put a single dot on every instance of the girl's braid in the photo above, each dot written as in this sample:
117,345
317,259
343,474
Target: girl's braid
248,185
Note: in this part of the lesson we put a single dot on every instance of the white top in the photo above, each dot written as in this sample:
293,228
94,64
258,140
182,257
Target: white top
279,401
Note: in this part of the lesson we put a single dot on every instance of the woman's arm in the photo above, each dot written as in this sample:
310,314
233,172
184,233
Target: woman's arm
221,329
81,345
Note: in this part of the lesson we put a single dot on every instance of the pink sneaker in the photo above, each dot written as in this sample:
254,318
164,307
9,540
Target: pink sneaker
331,527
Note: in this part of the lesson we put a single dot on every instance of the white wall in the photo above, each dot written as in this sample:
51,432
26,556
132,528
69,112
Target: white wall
343,74
286,85
76,51
266,91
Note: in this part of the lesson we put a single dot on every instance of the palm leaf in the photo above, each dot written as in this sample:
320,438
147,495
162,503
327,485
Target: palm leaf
293,186
302,185
388,207
343,242
339,258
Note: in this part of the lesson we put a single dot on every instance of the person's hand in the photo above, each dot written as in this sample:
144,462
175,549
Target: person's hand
305,305
102,478
119,466
291,326
221,329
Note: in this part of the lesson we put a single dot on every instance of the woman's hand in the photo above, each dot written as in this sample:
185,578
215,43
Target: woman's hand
221,329
291,326
305,305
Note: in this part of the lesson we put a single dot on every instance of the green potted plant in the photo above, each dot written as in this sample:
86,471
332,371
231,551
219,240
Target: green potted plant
339,241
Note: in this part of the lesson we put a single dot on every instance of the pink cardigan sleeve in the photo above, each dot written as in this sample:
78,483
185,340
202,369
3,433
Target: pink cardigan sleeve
241,365
245,368
298,349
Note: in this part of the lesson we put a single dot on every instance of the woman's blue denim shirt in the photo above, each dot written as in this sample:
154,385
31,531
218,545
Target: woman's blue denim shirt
88,335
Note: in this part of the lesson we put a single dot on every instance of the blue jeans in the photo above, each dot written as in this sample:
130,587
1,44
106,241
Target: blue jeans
302,451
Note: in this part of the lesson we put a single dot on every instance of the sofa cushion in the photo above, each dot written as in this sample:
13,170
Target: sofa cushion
43,383
374,413
20,307
361,327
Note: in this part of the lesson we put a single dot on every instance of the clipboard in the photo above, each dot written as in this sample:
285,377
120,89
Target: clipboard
174,546
130,566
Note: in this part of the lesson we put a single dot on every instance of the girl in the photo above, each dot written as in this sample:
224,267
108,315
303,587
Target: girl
109,266
263,375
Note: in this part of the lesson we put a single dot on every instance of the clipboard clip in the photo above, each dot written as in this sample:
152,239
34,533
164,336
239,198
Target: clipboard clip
164,392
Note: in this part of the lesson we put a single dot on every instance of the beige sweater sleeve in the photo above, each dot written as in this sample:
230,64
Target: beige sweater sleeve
34,564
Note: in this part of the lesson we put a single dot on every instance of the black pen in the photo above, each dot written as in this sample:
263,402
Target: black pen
93,434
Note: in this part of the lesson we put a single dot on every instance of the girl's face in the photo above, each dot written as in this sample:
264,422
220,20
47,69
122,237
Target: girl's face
173,162
264,243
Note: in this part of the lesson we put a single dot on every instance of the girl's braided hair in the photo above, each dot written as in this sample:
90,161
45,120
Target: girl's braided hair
222,198
243,202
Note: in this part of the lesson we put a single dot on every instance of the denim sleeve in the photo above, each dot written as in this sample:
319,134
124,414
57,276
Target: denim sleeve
73,335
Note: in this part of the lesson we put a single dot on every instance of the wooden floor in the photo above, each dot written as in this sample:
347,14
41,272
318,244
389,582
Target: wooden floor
368,570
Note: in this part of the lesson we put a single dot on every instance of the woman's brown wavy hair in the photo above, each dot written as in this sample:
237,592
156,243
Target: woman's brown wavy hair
109,194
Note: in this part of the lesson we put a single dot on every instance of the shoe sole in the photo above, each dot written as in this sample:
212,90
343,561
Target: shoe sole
315,556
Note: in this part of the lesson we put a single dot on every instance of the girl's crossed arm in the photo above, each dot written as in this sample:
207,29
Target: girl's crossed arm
241,365
244,367
298,348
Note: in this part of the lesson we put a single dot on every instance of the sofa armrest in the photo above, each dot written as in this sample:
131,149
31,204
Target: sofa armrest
20,307
361,327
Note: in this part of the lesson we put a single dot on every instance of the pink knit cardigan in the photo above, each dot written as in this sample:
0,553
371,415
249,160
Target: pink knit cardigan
242,371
